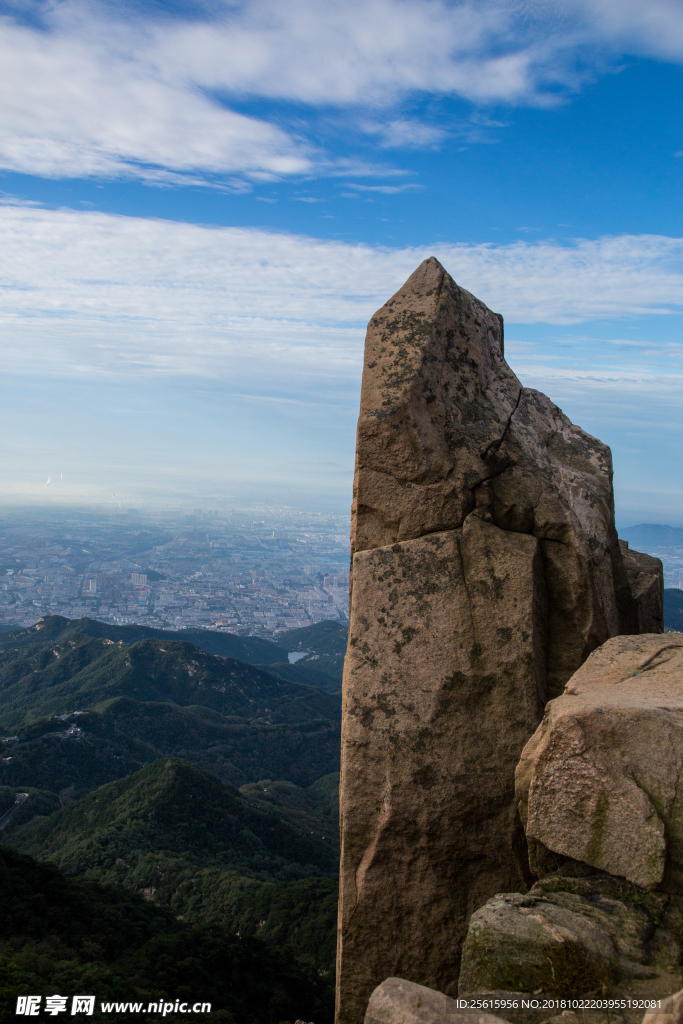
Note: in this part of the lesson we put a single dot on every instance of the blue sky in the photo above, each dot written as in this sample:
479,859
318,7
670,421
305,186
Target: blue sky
203,204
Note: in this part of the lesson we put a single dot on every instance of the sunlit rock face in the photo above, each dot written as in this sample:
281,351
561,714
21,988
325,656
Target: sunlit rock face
486,568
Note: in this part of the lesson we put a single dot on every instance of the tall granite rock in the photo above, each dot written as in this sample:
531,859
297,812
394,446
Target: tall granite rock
486,568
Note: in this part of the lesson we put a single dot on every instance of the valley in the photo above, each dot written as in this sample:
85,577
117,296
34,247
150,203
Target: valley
201,783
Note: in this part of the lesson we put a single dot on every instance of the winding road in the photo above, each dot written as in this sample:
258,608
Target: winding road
5,819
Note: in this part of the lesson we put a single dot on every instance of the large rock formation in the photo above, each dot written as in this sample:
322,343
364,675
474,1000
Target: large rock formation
486,568
601,779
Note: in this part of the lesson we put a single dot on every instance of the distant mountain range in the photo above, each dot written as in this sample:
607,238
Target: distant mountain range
649,536
131,747
324,642
322,638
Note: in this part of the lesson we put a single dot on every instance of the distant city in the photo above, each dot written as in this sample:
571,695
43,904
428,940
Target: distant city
673,570
255,573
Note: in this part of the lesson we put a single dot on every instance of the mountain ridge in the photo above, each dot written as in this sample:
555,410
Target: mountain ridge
327,637
647,535
66,674
182,810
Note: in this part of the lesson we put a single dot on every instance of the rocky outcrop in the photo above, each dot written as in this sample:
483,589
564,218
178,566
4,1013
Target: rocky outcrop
600,780
397,1001
600,798
486,568
645,576
591,936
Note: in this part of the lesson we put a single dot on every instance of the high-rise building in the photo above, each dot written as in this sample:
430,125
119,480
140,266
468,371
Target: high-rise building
138,579
340,579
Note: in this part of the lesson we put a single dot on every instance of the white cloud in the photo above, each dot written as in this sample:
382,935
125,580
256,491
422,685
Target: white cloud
344,52
79,103
403,133
137,351
108,91
650,27
585,382
91,295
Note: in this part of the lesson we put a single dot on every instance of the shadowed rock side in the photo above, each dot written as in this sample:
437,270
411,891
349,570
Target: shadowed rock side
646,582
486,568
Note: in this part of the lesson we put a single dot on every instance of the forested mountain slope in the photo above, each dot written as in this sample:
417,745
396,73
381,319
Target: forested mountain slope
59,934
210,853
187,813
124,735
127,746
65,675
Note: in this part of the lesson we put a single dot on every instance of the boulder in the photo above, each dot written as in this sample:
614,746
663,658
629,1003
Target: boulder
397,1001
600,780
574,937
485,569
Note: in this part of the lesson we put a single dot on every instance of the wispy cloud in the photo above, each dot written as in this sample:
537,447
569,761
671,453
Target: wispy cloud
111,90
142,349
405,133
80,101
387,190
86,294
